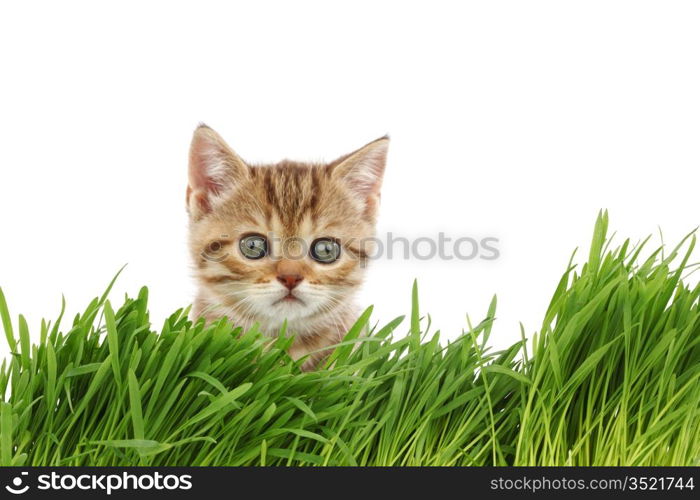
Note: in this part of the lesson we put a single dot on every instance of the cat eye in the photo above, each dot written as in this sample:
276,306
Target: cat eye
253,246
325,250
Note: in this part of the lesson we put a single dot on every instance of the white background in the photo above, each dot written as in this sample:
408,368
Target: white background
518,120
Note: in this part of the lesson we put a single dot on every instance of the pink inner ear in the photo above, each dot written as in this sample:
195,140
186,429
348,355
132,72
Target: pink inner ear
203,203
200,176
212,187
363,170
366,182
366,176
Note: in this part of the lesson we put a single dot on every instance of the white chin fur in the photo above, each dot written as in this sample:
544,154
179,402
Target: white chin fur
308,302
265,305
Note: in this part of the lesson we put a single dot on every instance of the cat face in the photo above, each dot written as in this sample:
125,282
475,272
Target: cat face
283,241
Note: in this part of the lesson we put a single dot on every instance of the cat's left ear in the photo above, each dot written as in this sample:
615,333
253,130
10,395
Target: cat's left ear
363,171
214,170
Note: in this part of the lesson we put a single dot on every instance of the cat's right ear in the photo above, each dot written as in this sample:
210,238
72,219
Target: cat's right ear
214,170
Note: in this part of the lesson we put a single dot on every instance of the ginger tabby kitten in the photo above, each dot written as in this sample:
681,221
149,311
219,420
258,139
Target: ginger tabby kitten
280,242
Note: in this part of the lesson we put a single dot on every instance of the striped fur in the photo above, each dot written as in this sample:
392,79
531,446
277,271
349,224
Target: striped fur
289,202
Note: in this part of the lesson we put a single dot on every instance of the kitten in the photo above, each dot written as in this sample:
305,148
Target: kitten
280,242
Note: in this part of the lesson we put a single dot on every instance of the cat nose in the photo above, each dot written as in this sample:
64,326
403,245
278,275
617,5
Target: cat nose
290,280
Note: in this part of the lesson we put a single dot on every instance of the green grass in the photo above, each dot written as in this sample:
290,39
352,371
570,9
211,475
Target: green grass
612,378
